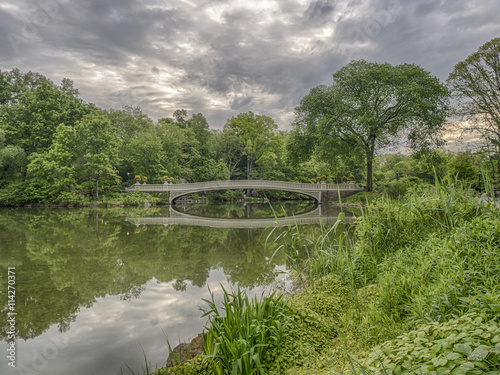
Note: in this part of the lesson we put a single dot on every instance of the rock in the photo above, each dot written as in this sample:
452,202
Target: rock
185,351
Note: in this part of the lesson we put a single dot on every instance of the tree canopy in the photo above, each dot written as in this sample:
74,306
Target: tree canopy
475,83
368,106
256,134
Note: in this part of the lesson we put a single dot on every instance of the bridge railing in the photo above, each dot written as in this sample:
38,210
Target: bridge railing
243,184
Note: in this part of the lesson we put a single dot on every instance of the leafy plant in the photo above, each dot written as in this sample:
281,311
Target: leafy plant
239,341
467,345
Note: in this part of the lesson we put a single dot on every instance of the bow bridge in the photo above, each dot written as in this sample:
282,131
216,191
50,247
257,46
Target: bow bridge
315,216
321,192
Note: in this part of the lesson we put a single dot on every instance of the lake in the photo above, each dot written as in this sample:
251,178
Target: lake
94,287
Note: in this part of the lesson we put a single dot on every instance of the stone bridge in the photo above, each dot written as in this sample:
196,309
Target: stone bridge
321,192
179,218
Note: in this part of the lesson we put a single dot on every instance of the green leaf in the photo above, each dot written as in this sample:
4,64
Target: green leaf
463,348
480,353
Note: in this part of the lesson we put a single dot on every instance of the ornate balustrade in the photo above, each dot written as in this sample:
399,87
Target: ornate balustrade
312,190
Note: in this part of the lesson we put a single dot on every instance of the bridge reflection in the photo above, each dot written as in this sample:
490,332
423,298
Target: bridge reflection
315,216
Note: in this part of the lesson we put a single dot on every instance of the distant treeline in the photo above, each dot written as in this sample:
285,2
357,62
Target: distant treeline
57,148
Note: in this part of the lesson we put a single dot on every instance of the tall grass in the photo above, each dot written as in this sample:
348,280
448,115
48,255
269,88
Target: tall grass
433,253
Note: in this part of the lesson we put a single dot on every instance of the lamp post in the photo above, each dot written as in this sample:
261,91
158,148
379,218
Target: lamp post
479,179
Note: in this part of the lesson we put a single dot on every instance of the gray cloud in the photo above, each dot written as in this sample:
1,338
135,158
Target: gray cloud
221,58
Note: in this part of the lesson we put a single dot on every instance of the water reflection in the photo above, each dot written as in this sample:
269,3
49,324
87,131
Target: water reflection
91,287
188,216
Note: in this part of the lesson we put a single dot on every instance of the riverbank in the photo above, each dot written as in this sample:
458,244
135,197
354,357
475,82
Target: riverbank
423,267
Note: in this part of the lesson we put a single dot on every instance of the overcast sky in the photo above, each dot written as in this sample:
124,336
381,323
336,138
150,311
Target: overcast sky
224,57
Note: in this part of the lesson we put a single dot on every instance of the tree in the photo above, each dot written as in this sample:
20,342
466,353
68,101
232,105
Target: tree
98,150
53,172
31,121
210,170
462,166
368,106
227,148
475,83
180,146
256,134
12,162
145,156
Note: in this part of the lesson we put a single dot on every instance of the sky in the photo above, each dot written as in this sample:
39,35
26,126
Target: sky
222,57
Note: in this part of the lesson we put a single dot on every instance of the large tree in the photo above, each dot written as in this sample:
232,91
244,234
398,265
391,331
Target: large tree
476,87
98,152
256,134
369,106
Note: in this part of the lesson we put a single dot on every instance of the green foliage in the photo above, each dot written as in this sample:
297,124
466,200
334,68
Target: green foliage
196,366
461,167
467,345
144,155
53,173
134,198
398,188
98,147
73,198
256,134
31,120
14,194
474,83
441,278
316,312
12,161
245,340
210,170
227,148
388,226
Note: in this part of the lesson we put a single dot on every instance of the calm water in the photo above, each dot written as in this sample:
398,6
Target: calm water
94,287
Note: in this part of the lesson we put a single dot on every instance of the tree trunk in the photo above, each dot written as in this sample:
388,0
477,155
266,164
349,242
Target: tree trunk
97,189
370,151
369,170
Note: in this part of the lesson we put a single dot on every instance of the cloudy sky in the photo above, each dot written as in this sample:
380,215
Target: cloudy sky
224,57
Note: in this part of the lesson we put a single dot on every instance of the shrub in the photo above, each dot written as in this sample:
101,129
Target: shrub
134,198
14,194
72,198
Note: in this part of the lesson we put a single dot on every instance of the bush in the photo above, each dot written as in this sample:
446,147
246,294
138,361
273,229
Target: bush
13,195
72,198
397,189
134,198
